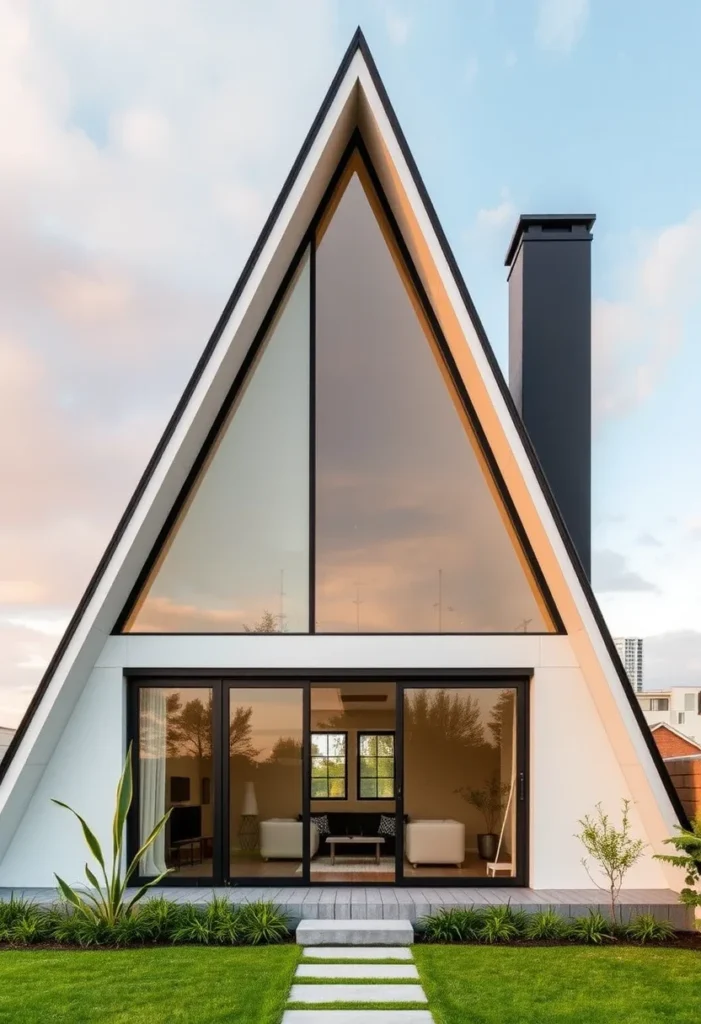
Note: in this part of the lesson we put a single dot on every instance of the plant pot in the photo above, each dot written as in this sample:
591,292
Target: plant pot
487,844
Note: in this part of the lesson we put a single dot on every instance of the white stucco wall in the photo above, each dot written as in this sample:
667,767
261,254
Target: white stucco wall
572,761
83,772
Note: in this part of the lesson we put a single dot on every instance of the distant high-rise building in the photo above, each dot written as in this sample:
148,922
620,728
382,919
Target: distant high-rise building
630,649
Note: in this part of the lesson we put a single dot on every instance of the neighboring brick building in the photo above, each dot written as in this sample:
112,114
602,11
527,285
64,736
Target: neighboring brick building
686,776
671,743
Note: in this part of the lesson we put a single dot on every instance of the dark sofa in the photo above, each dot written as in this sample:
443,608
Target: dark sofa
355,823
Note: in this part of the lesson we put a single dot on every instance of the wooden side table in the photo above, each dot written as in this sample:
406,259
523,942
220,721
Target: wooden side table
248,832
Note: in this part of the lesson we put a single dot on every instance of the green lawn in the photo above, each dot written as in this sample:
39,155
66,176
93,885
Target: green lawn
561,985
184,985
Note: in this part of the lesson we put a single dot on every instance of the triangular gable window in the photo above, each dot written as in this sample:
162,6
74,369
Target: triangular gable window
237,558
410,531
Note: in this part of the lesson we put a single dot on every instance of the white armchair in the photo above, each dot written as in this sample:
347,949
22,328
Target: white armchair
281,839
435,841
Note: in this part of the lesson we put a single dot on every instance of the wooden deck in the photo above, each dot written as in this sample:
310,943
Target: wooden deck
414,903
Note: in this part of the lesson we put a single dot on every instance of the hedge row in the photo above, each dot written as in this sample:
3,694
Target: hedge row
502,924
23,923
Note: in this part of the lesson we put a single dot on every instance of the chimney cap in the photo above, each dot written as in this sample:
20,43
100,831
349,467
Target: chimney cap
548,222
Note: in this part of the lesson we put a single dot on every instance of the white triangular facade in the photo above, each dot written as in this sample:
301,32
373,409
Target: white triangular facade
585,741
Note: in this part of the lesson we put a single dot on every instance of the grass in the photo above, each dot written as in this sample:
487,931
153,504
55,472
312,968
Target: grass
560,985
182,985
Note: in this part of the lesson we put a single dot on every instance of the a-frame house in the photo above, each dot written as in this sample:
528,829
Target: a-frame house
344,620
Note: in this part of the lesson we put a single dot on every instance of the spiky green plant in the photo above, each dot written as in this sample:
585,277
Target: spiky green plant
646,928
546,924
453,924
107,903
502,924
688,857
593,929
262,924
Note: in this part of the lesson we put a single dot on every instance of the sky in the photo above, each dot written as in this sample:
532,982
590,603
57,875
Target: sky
143,145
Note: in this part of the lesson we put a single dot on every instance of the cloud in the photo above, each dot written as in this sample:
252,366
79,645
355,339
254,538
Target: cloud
398,27
497,217
634,338
649,541
672,659
611,574
143,148
561,24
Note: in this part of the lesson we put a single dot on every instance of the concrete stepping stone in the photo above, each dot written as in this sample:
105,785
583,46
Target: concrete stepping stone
358,1017
321,932
358,952
357,994
391,972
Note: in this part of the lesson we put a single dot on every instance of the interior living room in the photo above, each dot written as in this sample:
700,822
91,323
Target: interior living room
403,781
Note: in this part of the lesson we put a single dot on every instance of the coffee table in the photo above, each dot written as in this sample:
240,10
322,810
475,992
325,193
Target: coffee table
355,841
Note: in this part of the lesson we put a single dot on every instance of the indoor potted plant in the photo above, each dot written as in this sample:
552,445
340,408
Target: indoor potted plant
490,801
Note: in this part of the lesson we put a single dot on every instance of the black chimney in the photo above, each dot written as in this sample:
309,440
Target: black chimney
549,263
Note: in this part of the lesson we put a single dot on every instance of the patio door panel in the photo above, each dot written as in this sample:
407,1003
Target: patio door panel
463,795
265,750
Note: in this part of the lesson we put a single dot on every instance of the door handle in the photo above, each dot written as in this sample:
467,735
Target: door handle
521,786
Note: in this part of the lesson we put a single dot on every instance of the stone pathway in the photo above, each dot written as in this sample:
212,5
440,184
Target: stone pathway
342,982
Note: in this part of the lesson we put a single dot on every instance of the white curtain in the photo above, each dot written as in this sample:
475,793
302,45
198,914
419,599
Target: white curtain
152,790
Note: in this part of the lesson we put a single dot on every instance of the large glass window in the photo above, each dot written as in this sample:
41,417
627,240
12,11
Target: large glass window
237,559
265,781
176,774
460,782
411,534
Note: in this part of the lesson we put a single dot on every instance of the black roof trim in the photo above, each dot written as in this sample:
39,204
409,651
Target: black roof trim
358,42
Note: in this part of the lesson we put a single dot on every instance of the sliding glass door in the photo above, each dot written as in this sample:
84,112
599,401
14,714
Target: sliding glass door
464,782
365,781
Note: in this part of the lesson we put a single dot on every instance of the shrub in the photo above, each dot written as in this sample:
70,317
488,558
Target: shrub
546,924
72,928
262,924
688,857
156,919
11,912
614,849
191,926
594,929
224,921
453,925
645,928
502,924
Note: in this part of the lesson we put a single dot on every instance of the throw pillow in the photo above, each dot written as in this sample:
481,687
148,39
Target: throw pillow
388,826
322,824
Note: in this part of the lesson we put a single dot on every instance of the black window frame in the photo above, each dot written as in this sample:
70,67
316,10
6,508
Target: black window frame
376,732
329,732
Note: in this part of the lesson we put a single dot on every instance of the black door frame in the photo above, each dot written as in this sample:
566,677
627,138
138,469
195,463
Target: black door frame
221,682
